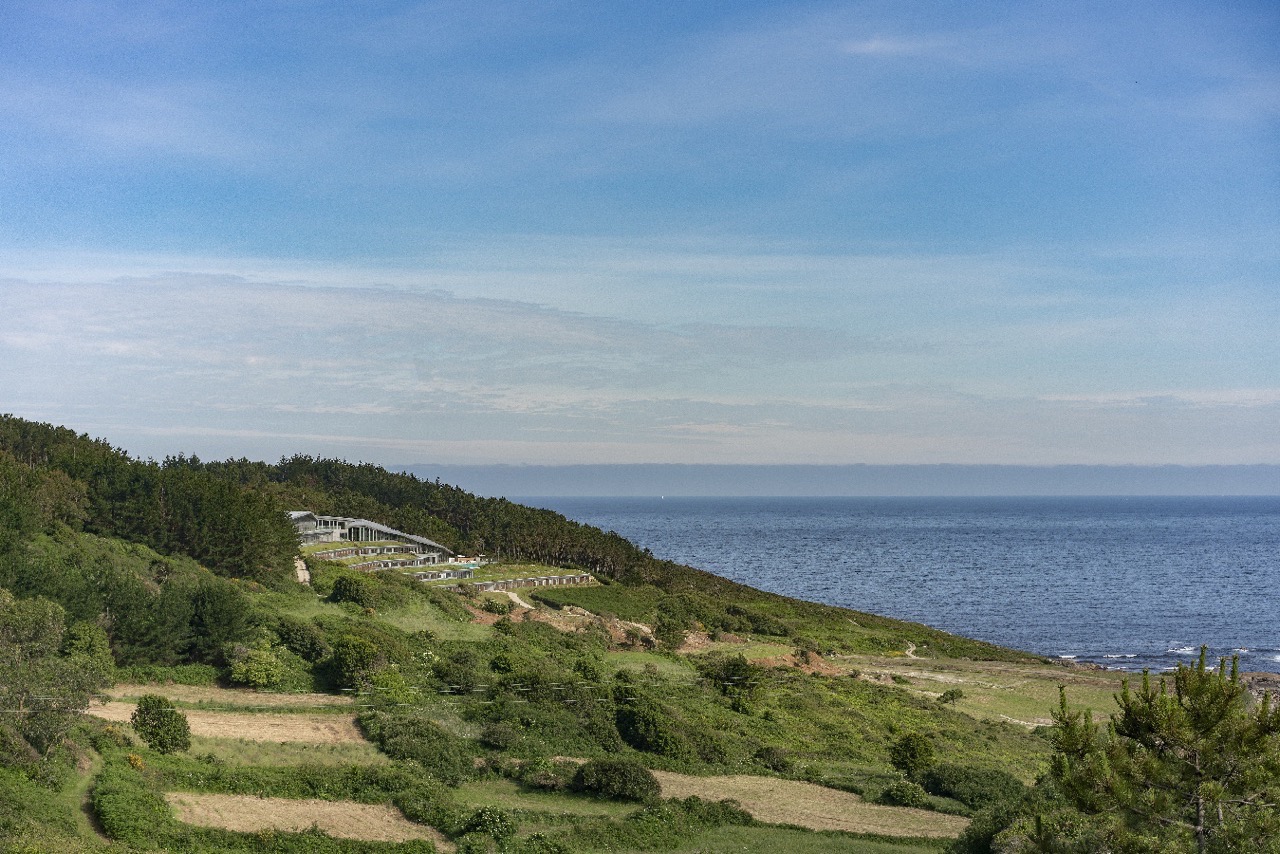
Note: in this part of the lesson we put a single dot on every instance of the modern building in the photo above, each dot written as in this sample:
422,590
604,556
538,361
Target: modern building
313,529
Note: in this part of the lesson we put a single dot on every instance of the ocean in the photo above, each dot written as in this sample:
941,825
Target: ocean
1128,583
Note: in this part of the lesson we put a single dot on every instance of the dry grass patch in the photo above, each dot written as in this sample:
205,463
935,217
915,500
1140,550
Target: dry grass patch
249,814
313,728
241,751
1018,693
210,694
808,805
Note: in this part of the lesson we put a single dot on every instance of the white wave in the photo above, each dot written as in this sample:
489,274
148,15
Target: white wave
1072,657
1122,655
1182,650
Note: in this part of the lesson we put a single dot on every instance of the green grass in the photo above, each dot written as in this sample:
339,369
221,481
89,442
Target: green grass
33,818
511,796
242,752
752,650
638,662
420,615
636,604
998,691
734,840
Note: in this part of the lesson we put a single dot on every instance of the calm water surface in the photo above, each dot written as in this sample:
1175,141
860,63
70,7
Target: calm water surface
1124,582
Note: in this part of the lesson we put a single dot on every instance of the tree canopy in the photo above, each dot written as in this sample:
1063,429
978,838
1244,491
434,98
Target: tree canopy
1187,763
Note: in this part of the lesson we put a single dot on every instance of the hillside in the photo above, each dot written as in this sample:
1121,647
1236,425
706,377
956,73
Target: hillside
399,716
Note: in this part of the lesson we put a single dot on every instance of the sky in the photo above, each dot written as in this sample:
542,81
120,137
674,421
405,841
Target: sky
630,232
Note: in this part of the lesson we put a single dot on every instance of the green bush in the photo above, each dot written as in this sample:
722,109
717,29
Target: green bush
160,725
127,810
951,695
352,660
500,736
540,843
408,736
497,606
548,775
361,590
775,759
912,754
904,793
302,638
976,788
617,779
646,725
491,822
258,666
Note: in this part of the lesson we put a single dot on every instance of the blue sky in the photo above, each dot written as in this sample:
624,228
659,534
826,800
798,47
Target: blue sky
547,232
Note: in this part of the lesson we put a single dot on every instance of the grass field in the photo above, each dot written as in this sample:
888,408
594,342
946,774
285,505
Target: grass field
994,690
241,751
735,840
212,697
312,728
509,795
249,814
419,615
775,801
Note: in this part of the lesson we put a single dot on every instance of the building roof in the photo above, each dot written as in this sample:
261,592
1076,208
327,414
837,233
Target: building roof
389,532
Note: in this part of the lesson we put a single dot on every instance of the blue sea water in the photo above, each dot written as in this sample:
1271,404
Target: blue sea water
1127,583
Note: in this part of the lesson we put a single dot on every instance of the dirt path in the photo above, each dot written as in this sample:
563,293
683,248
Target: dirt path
314,729
248,814
515,597
808,805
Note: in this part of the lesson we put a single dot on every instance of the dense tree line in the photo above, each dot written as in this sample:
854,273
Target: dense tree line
177,506
453,516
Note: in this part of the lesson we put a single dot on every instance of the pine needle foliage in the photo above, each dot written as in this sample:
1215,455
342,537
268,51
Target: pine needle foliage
1188,763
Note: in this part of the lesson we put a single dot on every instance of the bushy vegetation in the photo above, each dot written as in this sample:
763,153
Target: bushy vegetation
618,779
160,725
904,793
179,572
976,788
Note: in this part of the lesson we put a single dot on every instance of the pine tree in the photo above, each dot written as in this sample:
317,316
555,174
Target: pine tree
1184,765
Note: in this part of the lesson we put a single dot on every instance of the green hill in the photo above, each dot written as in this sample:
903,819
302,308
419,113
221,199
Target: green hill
472,715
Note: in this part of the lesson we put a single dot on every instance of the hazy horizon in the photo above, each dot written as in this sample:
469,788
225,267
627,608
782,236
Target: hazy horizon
618,481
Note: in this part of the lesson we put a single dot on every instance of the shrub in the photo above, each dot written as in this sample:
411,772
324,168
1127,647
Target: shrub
127,810
547,775
904,793
540,843
491,822
257,666
499,736
617,779
912,755
951,695
352,660
496,606
775,759
645,725
160,725
303,638
406,736
358,589
974,787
